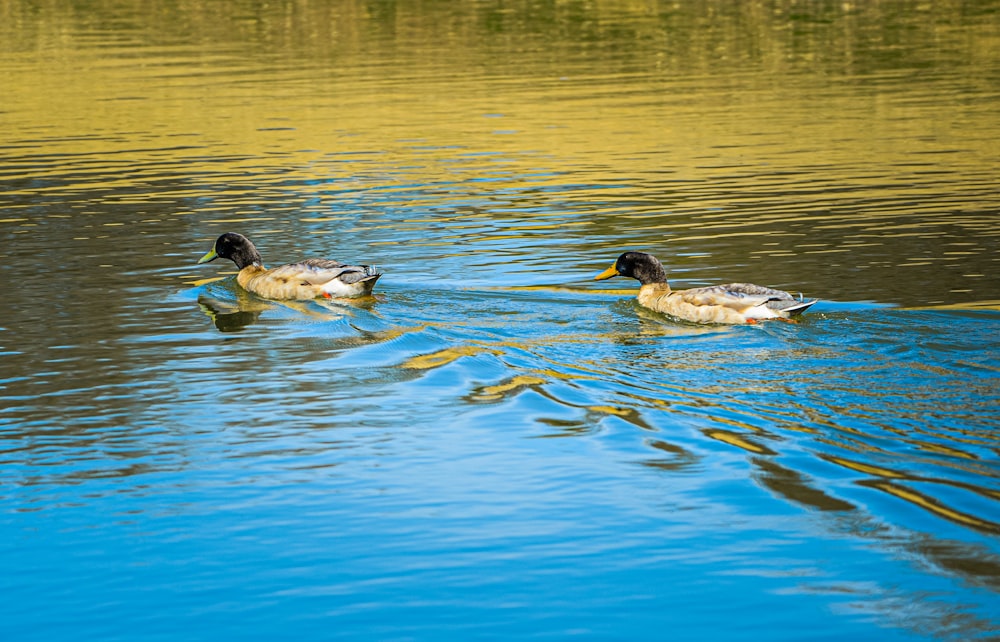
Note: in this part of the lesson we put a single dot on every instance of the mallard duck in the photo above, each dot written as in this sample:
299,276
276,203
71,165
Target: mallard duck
731,303
306,279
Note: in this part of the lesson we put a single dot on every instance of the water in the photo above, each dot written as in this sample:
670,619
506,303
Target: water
496,446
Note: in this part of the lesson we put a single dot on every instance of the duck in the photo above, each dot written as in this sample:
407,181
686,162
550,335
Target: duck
731,304
306,279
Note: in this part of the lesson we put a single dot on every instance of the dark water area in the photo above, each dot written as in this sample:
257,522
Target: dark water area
496,446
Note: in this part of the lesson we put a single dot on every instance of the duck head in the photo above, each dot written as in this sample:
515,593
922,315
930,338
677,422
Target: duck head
236,248
643,267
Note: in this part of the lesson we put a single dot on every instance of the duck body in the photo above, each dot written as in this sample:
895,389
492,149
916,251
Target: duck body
306,279
733,303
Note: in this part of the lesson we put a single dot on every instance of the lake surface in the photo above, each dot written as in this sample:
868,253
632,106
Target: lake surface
495,446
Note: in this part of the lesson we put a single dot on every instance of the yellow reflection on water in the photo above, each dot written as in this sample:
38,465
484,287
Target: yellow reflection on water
500,391
970,305
740,441
863,468
933,505
445,356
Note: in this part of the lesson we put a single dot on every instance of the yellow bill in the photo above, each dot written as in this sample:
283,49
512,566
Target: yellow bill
209,256
607,274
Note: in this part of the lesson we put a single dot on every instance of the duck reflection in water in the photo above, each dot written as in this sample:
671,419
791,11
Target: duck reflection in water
232,308
232,316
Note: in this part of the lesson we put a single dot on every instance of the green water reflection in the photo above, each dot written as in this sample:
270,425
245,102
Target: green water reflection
739,138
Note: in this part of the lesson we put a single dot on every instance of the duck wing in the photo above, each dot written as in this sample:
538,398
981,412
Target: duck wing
321,271
737,298
777,300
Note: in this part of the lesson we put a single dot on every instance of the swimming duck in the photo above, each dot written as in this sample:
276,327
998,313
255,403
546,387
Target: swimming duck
306,279
732,303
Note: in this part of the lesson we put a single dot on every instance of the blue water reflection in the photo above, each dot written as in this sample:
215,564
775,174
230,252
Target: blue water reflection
339,464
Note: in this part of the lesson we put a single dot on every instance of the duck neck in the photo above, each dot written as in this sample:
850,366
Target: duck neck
651,274
248,256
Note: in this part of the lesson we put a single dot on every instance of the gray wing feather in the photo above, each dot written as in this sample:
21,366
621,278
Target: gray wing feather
760,295
320,271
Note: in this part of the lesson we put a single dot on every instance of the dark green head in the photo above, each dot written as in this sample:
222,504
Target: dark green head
235,247
637,265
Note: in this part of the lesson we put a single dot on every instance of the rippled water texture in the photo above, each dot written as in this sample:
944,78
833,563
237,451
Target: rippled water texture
496,446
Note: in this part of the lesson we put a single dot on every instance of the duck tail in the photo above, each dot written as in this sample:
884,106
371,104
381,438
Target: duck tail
799,307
